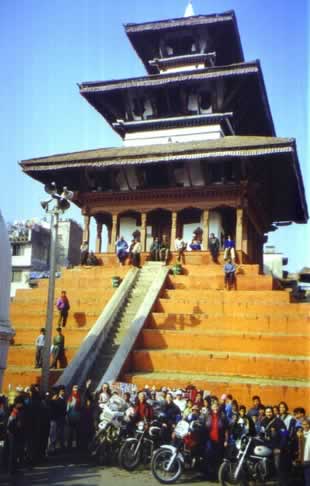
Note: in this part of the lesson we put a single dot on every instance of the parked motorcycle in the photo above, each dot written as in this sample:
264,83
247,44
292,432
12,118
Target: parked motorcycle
169,461
111,430
252,462
139,449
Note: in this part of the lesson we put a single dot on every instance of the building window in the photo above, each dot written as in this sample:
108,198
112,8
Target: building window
18,250
16,276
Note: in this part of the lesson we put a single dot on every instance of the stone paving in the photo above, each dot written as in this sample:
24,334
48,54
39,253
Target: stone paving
78,471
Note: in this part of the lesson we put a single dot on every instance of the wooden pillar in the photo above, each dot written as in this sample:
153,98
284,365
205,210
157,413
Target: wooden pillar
86,228
205,227
143,231
173,233
239,228
245,235
99,237
113,233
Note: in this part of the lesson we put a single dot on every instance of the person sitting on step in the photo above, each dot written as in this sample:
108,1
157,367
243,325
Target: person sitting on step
164,250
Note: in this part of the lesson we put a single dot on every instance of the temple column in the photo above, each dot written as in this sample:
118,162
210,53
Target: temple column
205,227
173,233
245,235
86,228
99,237
143,231
239,231
113,232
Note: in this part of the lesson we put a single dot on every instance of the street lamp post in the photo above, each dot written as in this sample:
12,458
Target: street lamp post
61,205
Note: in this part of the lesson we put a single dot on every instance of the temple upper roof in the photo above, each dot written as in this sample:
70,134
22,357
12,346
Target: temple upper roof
169,38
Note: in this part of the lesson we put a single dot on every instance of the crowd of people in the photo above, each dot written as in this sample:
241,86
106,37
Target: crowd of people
34,426
160,248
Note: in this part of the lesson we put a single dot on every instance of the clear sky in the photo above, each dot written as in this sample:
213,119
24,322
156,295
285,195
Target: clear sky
46,47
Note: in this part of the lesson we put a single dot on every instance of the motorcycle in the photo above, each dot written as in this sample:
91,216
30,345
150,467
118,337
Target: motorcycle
139,449
111,430
169,461
253,461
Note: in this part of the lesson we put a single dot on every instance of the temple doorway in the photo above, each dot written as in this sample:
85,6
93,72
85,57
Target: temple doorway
129,222
189,222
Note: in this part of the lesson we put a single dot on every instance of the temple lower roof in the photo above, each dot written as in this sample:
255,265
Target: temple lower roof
230,146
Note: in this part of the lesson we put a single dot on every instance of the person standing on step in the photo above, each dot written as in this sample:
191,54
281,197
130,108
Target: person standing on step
229,275
63,307
58,348
40,341
84,252
214,247
136,253
180,247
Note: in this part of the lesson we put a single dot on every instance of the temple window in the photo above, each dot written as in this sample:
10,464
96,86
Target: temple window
223,173
18,250
205,102
180,46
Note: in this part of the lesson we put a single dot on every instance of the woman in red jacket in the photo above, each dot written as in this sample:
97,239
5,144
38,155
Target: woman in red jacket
143,411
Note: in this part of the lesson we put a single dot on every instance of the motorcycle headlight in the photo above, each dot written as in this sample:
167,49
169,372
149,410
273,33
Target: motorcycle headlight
140,426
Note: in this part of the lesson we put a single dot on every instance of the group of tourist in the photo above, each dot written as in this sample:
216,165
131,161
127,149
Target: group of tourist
33,426
160,248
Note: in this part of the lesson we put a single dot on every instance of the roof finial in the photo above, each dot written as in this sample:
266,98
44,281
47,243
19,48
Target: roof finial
189,11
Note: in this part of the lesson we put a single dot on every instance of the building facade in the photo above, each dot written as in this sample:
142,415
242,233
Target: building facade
6,332
30,242
199,145
30,251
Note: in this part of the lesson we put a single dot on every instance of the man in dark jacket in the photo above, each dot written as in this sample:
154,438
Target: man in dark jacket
276,436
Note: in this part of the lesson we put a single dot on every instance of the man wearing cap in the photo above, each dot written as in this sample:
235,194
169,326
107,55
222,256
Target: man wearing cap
179,400
58,348
40,341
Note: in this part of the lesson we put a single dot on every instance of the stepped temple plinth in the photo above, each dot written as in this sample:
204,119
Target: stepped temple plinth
199,151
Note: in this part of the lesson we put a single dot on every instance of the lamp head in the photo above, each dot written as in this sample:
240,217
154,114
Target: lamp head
67,194
63,204
45,204
50,188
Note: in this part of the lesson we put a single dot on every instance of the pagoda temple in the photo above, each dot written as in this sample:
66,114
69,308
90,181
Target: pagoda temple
199,153
199,144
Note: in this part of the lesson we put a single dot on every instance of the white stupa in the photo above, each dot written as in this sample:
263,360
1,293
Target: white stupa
6,332
189,11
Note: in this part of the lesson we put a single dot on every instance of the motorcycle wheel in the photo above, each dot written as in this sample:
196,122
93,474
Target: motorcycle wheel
96,442
159,465
226,475
128,457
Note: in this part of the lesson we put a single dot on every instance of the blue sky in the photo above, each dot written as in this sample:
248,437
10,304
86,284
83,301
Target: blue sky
46,47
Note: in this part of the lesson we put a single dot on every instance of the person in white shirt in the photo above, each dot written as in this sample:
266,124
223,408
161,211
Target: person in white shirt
179,400
135,252
180,247
40,341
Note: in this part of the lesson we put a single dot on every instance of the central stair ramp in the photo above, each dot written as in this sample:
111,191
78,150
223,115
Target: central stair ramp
106,347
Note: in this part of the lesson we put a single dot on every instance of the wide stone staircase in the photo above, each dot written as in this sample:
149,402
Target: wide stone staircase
124,320
88,290
252,340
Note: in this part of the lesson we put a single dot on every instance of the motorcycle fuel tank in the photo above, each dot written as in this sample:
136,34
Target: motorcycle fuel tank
262,451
